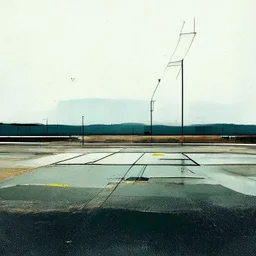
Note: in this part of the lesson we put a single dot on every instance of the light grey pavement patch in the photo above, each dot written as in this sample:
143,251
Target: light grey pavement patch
46,160
244,170
134,172
74,176
93,150
167,156
168,171
120,158
160,158
220,159
164,159
88,158
235,182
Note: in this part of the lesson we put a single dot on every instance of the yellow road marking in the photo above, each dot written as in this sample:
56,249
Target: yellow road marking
58,185
158,154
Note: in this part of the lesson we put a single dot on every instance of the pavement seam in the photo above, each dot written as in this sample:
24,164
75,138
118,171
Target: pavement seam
93,162
65,159
191,159
118,183
94,212
140,176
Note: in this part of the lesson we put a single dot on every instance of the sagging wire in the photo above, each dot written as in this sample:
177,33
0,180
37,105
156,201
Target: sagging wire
170,64
159,80
194,35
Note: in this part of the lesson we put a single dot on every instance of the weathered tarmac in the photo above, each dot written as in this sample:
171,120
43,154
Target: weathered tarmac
140,200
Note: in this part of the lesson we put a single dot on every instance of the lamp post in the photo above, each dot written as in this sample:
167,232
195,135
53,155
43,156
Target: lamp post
82,130
152,109
151,117
46,125
182,100
180,63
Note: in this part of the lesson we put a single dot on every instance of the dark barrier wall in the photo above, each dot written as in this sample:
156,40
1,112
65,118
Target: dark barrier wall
123,129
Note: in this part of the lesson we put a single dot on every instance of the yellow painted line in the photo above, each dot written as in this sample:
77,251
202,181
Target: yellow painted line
158,154
57,185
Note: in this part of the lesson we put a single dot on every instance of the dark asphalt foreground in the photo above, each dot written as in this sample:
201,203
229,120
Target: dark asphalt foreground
135,219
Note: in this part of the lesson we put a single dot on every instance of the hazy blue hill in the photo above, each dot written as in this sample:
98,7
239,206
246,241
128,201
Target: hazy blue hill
101,111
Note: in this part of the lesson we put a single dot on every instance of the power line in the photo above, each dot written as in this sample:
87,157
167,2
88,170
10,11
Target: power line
159,80
187,52
174,49
170,62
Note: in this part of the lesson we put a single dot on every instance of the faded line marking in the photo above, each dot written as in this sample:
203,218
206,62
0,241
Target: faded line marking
157,154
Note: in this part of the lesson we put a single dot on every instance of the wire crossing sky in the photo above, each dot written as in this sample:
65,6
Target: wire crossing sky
172,63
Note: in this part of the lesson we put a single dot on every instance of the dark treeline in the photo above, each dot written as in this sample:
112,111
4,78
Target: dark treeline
123,129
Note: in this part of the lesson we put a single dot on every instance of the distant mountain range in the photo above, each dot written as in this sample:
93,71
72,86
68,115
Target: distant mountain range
101,111
116,111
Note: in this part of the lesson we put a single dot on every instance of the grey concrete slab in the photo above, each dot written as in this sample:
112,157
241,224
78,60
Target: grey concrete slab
134,172
73,176
183,180
46,160
244,170
87,158
218,159
120,158
164,159
93,150
169,172
146,149
167,162
229,180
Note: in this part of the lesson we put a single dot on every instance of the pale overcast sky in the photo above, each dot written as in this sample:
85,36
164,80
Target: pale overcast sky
119,48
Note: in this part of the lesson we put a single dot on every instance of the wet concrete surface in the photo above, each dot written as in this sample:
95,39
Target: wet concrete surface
112,206
73,176
220,159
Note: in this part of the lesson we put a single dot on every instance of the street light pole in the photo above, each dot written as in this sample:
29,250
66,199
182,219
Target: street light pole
46,126
151,117
152,108
182,100
82,130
